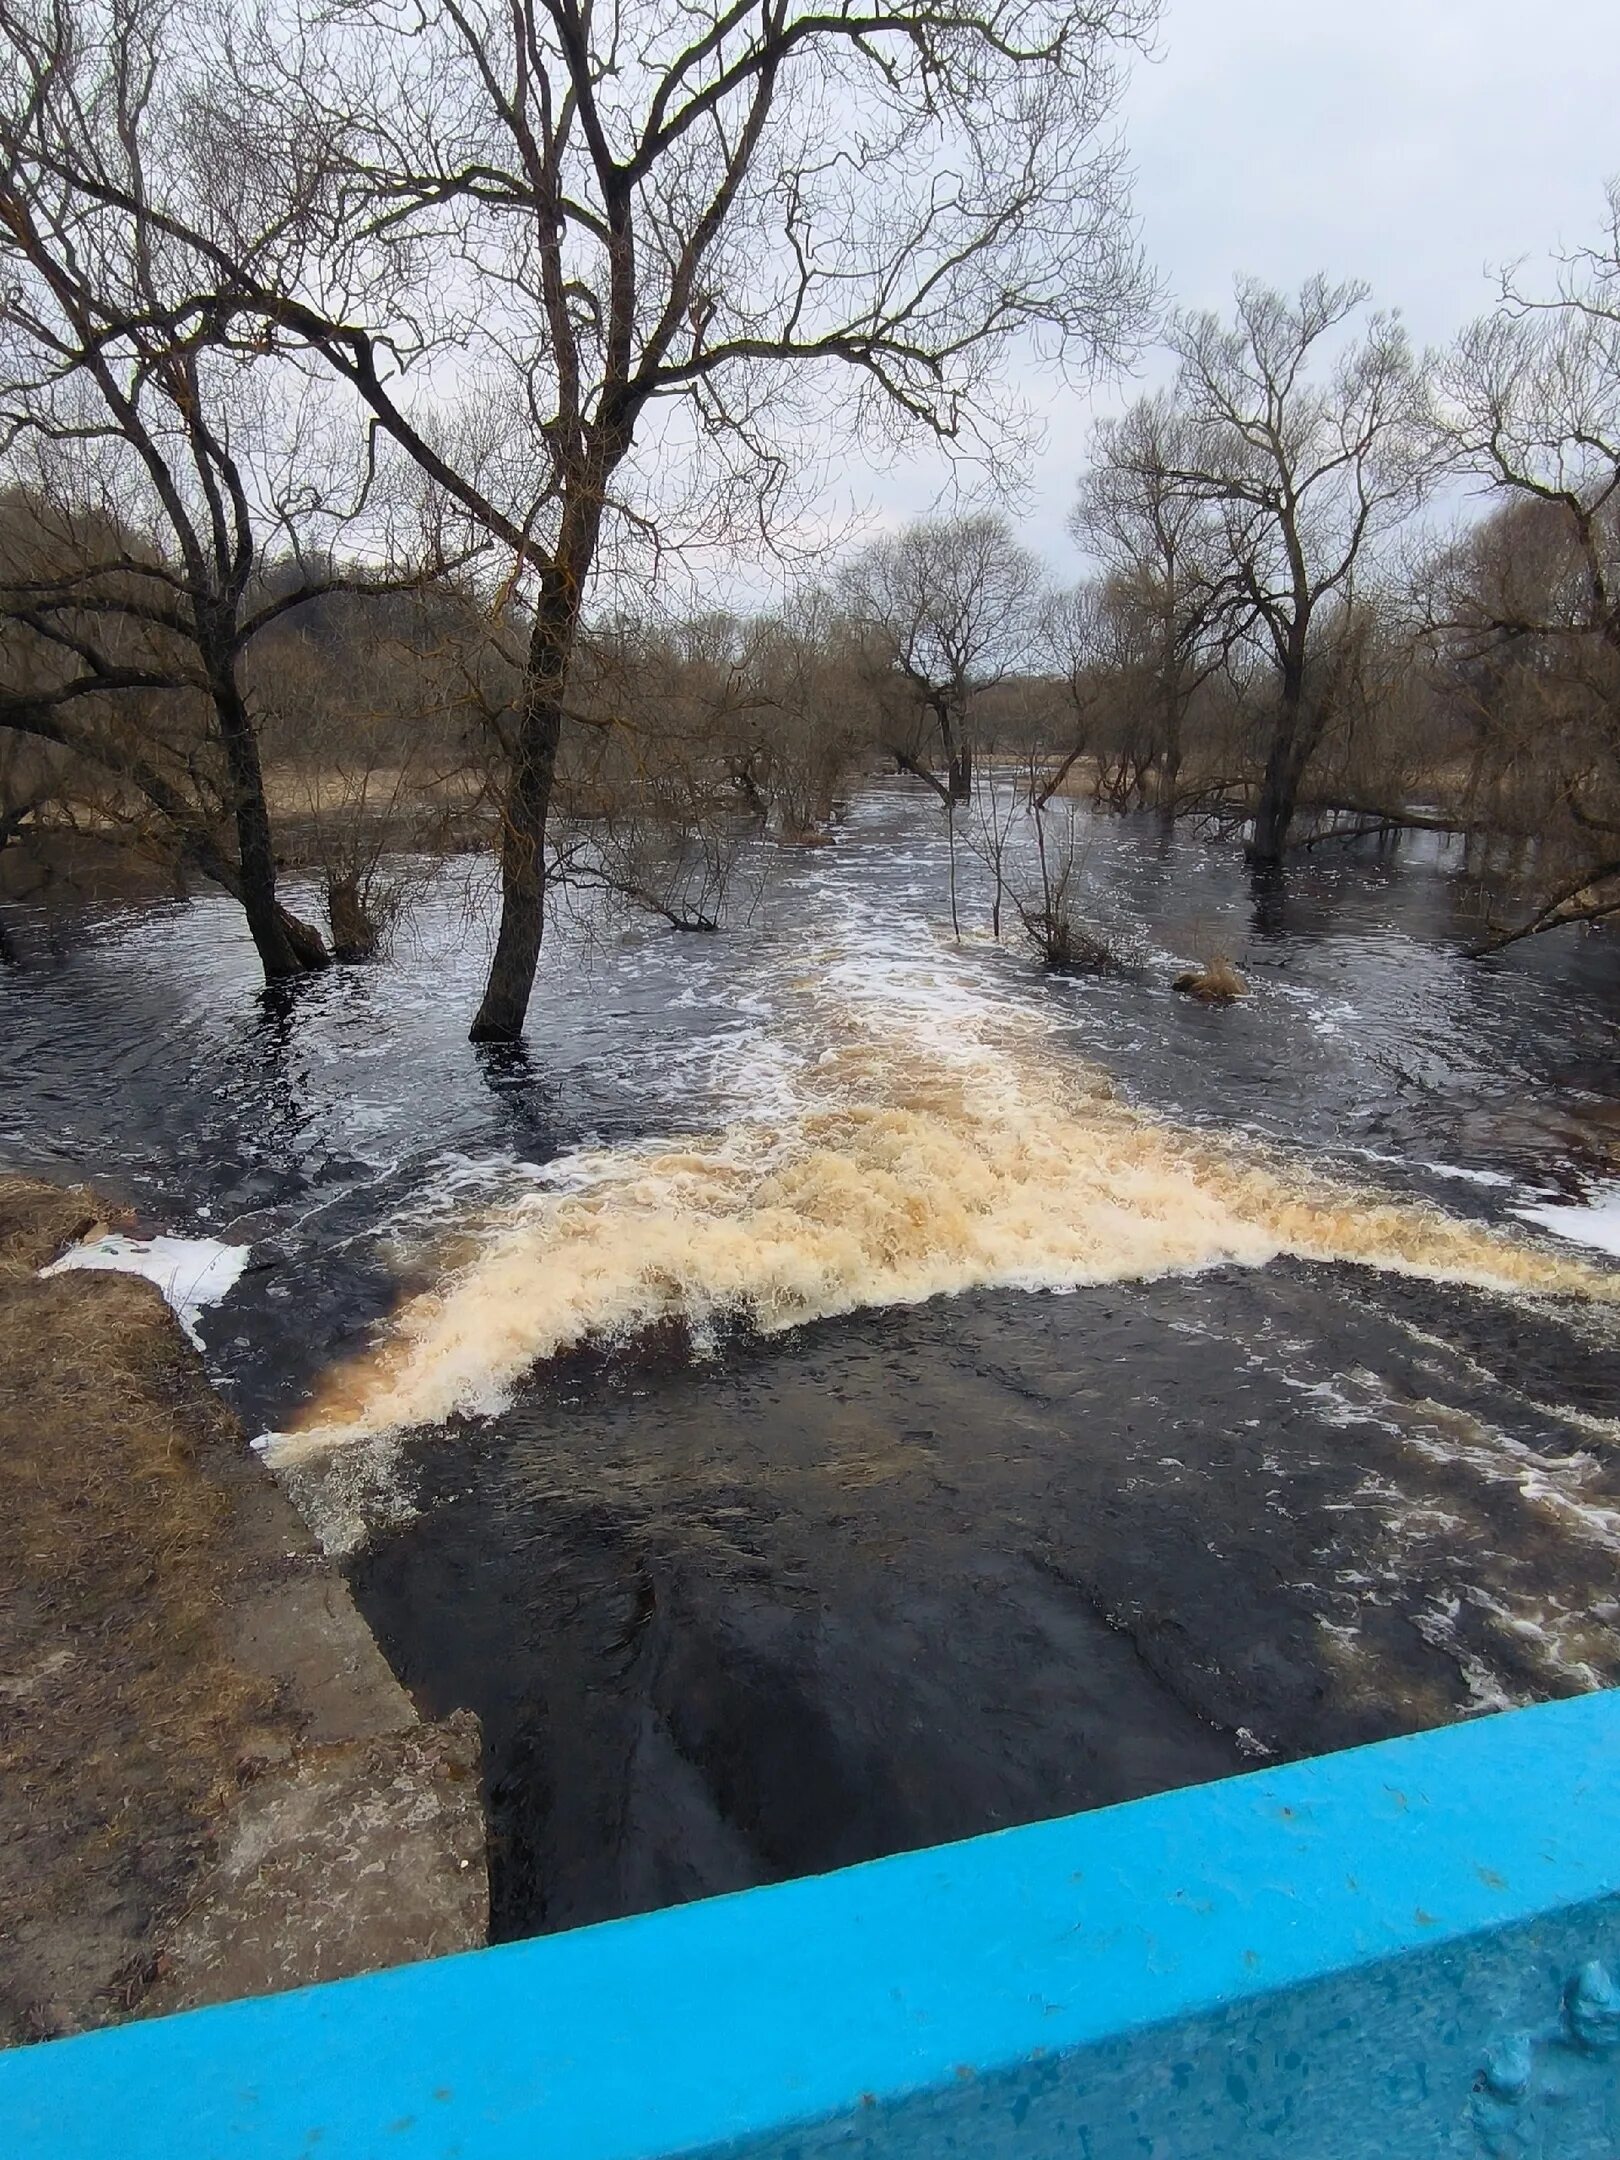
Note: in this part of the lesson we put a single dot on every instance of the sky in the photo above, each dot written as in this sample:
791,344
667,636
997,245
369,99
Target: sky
1413,143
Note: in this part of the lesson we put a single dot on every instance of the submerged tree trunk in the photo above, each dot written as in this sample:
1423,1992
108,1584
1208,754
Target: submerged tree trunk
958,754
524,812
1170,748
301,939
1292,742
505,1005
906,763
286,946
1274,813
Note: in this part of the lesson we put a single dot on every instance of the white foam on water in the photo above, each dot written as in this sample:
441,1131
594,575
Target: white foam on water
1594,1221
192,1273
1468,1177
1435,1169
908,1171
1437,1624
894,1119
1571,1643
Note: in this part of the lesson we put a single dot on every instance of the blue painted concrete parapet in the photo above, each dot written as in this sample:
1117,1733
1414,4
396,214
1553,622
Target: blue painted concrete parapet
1401,1951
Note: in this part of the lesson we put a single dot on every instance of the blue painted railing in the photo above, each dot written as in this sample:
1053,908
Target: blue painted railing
1401,1951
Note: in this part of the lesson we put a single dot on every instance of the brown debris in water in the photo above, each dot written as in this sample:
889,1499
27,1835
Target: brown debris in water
1217,982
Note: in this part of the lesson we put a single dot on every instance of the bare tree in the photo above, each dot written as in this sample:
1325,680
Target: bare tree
989,835
804,728
98,410
1077,648
1527,609
646,235
155,462
1309,468
949,609
1170,581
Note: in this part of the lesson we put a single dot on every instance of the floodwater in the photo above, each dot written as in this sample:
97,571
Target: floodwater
839,1388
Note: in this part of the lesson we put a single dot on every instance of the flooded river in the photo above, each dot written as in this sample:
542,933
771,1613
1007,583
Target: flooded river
840,1388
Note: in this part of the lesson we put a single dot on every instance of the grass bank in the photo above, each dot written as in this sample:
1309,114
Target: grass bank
197,1734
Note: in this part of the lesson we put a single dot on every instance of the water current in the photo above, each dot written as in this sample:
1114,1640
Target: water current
839,1387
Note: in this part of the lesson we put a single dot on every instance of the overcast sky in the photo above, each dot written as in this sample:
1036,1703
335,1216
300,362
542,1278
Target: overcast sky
1414,143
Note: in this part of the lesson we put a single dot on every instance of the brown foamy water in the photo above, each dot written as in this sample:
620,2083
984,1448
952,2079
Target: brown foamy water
905,1164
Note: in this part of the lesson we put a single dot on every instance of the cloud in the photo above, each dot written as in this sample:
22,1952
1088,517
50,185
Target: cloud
1416,146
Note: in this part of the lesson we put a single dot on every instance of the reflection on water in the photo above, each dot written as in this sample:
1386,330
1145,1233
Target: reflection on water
881,1566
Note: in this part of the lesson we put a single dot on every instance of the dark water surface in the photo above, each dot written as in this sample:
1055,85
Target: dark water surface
915,1571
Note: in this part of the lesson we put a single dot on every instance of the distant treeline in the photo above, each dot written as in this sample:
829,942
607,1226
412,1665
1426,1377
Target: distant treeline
360,381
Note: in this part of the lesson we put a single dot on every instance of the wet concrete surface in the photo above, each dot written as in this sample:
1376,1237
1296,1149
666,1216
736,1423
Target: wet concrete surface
353,1857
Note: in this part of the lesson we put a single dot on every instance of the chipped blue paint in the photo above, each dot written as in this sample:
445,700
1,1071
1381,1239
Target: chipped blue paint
1404,1950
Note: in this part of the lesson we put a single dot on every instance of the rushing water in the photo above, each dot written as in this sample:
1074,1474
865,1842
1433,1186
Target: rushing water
840,1388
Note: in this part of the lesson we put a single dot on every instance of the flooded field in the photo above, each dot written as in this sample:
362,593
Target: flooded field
840,1387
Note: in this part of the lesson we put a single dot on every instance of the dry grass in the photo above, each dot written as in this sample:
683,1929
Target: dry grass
1216,982
293,791
39,1221
124,1724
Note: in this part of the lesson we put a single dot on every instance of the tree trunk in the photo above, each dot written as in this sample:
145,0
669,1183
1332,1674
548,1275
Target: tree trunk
958,754
527,805
751,792
286,946
906,763
1274,813
304,941
197,849
1291,745
1170,749
1040,796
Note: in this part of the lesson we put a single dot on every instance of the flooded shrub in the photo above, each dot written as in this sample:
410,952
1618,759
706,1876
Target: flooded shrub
362,911
1069,947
